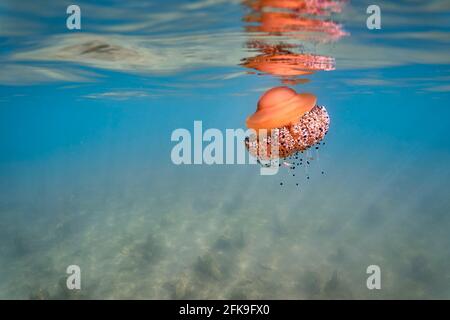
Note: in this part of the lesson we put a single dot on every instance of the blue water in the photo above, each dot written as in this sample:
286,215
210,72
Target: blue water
87,178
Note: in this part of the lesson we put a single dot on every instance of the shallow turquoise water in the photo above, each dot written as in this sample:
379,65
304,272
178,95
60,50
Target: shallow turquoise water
87,179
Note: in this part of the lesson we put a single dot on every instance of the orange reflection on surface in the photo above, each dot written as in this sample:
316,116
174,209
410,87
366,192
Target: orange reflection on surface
294,19
313,7
286,63
304,17
283,22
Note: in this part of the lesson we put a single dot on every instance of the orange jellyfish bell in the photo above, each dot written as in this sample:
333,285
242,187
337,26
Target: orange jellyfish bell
295,120
279,107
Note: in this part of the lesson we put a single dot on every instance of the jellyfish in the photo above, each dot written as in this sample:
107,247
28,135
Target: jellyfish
294,120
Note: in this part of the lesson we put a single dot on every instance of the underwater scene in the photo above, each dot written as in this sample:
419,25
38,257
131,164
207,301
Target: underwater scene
118,162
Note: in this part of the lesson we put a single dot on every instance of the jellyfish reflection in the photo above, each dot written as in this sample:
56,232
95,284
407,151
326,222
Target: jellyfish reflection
302,19
297,20
287,65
